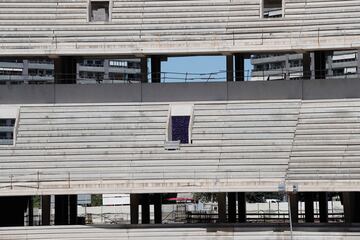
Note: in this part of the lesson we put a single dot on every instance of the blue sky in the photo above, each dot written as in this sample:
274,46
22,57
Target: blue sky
198,68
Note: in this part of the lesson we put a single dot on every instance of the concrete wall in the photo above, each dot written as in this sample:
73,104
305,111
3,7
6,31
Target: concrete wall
172,92
147,27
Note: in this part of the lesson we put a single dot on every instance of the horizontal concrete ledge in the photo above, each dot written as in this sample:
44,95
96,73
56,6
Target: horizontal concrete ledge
242,227
180,92
203,231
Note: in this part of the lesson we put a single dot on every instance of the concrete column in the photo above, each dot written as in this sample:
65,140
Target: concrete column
232,207
329,66
323,207
294,207
145,209
241,207
320,64
239,67
134,208
347,201
230,68
12,211
309,207
358,61
25,71
306,65
65,70
287,68
65,209
31,211
351,205
73,209
155,69
157,208
106,69
45,209
144,69
221,199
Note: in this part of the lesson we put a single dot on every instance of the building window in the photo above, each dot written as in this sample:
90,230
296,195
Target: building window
99,11
272,9
118,63
7,131
180,128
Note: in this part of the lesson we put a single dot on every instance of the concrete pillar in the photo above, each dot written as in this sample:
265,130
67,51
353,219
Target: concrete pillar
329,64
106,67
347,201
31,211
73,209
323,207
45,210
134,208
239,67
221,199
351,205
320,64
230,68
309,207
145,209
12,211
65,209
144,69
358,61
25,71
65,70
286,72
232,207
241,207
155,69
157,208
306,66
294,207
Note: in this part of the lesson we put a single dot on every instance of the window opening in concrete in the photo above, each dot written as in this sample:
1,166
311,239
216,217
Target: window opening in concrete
180,128
7,131
99,11
272,9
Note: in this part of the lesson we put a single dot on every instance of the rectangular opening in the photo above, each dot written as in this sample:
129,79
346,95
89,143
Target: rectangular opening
7,131
272,9
99,11
180,129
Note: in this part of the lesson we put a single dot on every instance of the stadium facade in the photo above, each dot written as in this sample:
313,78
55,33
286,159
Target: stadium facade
299,138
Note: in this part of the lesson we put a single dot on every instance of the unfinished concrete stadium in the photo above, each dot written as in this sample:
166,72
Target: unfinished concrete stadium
298,139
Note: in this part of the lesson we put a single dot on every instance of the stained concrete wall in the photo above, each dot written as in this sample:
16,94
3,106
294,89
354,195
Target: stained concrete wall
172,92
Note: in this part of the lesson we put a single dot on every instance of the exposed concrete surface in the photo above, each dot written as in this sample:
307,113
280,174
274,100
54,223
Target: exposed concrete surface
174,92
